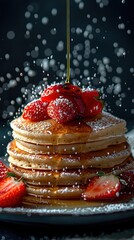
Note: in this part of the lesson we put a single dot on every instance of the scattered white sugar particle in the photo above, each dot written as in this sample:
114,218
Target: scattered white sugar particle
54,11
73,148
60,46
29,26
11,35
27,14
117,194
3,238
7,56
121,26
53,31
128,31
45,20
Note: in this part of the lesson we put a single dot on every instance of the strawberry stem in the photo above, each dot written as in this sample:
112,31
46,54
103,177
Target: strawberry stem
11,174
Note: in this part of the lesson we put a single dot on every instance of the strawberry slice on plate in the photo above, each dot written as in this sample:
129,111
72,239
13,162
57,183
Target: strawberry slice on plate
11,192
102,188
3,170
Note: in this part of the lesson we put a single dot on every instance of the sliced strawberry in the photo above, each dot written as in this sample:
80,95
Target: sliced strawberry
55,91
93,105
88,94
103,187
71,89
11,192
78,103
127,180
36,111
93,108
62,110
3,170
51,93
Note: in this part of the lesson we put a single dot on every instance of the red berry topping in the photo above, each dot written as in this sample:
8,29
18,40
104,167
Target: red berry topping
62,110
52,92
78,103
93,105
93,108
69,88
11,192
3,170
55,91
35,111
127,179
101,188
88,94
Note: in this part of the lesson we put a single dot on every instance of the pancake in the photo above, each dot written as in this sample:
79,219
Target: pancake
34,201
110,157
48,132
60,192
67,177
74,148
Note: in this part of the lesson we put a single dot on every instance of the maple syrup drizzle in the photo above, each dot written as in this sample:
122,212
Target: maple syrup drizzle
68,39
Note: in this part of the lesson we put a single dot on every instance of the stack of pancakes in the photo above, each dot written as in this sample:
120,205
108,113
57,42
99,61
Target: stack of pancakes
57,160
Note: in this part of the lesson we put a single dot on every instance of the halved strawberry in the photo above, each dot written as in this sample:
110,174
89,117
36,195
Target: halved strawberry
36,111
102,188
93,105
71,89
51,93
3,170
93,108
11,192
62,110
89,94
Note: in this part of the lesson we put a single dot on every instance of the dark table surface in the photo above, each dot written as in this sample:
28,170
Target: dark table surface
116,230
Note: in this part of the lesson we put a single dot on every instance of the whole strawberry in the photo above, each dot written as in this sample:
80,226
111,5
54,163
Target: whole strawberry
35,111
58,90
62,110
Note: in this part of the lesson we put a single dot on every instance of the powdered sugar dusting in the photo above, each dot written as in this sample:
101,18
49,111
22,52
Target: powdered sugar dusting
32,127
61,109
86,211
104,122
114,155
